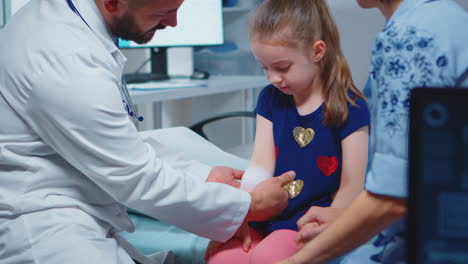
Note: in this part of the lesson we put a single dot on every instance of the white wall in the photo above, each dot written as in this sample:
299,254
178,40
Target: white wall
358,28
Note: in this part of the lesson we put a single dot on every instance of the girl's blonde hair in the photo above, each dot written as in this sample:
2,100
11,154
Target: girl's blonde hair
298,24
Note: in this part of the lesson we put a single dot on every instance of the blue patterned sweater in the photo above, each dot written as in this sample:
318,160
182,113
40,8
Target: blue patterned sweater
424,43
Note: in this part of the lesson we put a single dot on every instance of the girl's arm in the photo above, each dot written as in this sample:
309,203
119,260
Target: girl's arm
354,165
264,147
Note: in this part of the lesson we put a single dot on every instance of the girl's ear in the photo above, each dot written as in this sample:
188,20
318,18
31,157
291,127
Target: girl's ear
318,50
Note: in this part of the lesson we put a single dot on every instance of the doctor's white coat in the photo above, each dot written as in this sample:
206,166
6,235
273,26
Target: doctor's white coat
66,139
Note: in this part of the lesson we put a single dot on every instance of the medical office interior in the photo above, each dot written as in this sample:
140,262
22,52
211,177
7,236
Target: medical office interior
211,75
231,65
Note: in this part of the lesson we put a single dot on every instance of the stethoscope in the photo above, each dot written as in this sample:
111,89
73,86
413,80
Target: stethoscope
127,100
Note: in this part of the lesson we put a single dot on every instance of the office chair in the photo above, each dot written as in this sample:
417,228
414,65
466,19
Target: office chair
243,150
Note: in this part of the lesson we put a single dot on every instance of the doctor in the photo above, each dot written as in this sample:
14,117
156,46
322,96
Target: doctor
71,160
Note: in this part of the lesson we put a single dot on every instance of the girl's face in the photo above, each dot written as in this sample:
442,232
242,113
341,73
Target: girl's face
291,70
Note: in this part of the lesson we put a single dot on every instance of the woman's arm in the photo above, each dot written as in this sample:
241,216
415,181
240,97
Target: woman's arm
368,215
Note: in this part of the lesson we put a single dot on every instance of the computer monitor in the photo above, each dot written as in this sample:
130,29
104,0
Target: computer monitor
438,170
200,23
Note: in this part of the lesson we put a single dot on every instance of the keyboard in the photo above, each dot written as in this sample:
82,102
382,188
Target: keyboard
145,77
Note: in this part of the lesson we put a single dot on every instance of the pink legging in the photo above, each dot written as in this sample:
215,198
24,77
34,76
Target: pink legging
274,247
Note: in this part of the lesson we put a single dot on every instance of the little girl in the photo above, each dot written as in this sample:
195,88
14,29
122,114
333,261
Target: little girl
311,119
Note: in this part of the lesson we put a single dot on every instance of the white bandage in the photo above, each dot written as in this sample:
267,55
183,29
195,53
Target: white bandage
253,175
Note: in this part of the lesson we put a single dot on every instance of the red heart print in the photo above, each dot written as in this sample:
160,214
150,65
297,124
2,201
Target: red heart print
327,165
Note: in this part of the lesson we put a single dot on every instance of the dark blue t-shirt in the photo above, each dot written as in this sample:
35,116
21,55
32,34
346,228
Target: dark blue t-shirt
318,163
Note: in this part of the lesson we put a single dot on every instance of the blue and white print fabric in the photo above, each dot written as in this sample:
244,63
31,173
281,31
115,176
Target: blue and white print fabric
413,50
424,43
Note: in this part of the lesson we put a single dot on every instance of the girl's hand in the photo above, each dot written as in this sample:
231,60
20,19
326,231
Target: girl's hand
243,234
315,221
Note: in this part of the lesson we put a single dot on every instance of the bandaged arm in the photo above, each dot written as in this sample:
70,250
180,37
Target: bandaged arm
262,163
254,175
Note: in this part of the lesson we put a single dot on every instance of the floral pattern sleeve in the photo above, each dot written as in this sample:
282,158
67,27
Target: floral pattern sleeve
403,58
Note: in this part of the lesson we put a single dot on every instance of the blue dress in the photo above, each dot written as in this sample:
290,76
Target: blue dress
318,163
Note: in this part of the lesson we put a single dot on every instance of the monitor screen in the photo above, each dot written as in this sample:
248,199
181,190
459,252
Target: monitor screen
200,23
438,174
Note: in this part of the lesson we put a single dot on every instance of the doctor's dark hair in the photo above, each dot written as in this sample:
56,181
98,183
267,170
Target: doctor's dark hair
299,24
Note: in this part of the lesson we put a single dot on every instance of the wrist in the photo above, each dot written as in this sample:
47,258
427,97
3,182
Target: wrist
299,258
253,175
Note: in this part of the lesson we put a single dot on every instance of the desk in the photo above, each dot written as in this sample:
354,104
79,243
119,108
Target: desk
149,102
213,85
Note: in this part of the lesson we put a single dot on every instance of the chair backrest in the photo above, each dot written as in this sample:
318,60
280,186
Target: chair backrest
198,127
244,147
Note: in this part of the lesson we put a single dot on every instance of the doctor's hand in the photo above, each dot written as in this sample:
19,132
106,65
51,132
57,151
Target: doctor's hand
315,221
225,175
269,198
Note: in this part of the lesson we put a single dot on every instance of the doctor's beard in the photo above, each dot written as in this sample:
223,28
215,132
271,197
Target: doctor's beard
125,28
